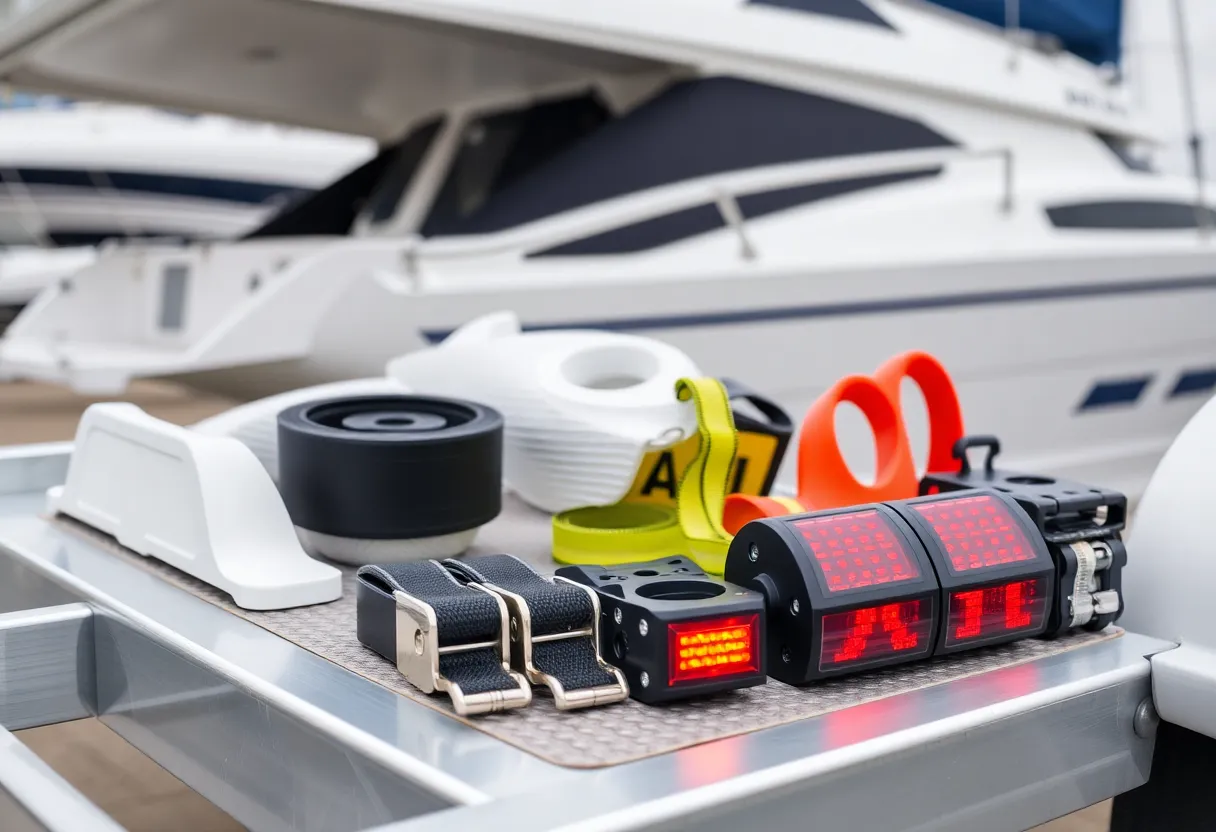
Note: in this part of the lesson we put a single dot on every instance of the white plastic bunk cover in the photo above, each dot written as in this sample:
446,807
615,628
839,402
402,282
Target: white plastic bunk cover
202,504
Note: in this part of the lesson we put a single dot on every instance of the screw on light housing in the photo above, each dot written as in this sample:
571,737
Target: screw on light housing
796,567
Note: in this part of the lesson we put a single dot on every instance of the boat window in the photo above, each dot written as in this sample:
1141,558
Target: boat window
333,209
174,285
1132,157
1091,29
498,150
645,235
700,219
847,9
691,129
70,239
1156,215
197,187
385,198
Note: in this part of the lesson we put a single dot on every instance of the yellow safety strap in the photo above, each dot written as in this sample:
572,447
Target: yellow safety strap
701,494
630,532
791,503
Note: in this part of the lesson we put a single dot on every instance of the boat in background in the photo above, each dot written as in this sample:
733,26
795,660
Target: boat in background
787,190
26,271
74,175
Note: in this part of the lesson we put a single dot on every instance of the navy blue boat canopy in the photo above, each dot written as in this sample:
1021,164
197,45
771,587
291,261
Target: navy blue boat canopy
1089,28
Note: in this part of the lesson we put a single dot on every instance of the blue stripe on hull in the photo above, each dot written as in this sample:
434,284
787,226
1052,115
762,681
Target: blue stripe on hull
877,307
195,187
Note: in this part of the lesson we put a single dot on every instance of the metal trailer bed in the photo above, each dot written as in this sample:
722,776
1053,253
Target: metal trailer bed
283,739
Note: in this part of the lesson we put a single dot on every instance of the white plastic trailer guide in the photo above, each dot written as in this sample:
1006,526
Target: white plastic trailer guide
283,739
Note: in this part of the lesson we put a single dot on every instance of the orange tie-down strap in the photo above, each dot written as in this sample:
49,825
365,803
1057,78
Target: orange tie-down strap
824,478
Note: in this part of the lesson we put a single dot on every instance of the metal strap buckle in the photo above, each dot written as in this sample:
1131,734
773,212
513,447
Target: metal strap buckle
522,639
418,653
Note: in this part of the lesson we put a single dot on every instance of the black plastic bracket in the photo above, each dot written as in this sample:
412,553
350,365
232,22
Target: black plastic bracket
645,606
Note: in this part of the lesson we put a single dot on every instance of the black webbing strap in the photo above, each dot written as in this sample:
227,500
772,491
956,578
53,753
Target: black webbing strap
463,616
554,608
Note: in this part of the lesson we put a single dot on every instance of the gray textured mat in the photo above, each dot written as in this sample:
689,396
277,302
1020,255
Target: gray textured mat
617,733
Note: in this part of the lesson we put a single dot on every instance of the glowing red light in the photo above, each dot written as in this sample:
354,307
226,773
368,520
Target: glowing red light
971,608
976,614
872,633
857,550
1017,606
977,532
712,648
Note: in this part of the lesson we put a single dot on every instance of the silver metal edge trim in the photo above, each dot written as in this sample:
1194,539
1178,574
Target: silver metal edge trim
374,749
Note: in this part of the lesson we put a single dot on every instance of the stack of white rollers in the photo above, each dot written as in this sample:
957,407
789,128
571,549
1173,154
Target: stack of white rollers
581,407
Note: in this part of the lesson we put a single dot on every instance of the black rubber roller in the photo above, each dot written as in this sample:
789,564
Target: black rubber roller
390,468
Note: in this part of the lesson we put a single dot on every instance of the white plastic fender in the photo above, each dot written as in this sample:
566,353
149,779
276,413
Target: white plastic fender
1169,582
581,408
256,423
201,504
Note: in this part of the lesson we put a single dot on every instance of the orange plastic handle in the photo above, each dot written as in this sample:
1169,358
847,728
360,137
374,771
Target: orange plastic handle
824,478
941,402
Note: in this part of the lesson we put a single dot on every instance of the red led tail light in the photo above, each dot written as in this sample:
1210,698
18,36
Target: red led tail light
996,574
856,589
977,616
977,532
873,634
713,648
857,550
888,583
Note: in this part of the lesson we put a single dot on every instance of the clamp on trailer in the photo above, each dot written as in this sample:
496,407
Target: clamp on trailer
1082,526
554,627
443,635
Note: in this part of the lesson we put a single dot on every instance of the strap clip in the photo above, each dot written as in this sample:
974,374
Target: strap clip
418,653
522,640
481,573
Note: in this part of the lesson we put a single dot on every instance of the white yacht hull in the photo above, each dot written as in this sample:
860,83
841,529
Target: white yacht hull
1073,362
25,271
1024,368
100,214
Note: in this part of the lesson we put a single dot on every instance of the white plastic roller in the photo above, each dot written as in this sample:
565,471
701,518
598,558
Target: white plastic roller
1170,577
581,407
